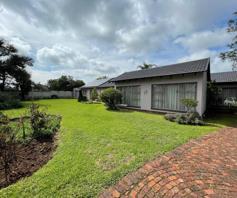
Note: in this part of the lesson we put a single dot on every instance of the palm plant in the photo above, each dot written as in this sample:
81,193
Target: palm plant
146,66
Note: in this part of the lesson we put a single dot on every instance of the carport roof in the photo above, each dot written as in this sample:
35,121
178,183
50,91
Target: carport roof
224,77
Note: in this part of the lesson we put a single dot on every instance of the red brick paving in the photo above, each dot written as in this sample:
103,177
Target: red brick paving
206,167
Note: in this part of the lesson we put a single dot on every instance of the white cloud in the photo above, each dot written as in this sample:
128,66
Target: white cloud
217,65
205,40
23,47
97,37
58,57
63,60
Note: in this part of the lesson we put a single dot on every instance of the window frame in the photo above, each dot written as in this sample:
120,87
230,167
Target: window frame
170,110
121,86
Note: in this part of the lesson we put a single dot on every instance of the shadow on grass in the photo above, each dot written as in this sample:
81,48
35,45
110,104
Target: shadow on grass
120,110
218,119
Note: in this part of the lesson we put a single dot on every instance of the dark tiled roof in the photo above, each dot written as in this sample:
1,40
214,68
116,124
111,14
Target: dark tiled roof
107,84
174,69
223,77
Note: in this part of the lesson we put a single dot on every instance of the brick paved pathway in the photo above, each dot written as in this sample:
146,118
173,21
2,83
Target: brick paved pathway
206,167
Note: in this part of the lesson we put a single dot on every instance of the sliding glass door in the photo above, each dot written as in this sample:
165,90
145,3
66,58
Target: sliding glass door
131,95
169,96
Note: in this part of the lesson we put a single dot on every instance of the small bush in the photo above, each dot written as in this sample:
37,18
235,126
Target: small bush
190,104
42,124
170,116
9,101
81,98
54,97
111,97
181,119
191,118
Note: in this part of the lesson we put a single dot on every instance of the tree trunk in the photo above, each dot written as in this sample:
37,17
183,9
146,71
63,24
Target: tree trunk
22,94
2,86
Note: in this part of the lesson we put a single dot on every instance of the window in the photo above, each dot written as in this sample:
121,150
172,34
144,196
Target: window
169,96
131,95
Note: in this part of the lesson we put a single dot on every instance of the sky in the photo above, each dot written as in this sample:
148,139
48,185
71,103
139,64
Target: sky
91,38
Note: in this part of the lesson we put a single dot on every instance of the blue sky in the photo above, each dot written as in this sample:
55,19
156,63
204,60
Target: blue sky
88,39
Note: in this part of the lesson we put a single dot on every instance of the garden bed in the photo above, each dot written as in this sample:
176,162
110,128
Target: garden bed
29,158
26,143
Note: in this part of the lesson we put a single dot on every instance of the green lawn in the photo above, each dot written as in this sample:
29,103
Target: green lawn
97,147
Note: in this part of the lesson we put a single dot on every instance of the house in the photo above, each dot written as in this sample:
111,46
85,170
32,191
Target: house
162,88
98,84
226,82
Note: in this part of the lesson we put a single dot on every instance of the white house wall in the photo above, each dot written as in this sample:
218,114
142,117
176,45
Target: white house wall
146,88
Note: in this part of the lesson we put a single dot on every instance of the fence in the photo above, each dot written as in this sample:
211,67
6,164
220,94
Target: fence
49,94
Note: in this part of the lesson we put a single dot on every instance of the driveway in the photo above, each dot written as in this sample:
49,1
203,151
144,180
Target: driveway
205,167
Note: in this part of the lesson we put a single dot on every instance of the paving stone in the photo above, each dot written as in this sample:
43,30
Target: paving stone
205,167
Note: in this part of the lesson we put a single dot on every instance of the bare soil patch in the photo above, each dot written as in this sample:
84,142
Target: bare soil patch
29,158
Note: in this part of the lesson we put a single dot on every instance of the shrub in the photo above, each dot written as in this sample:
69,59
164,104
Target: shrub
94,94
81,98
190,104
191,118
170,116
181,119
54,97
111,97
9,101
42,124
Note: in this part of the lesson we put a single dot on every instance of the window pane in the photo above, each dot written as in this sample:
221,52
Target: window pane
169,96
131,95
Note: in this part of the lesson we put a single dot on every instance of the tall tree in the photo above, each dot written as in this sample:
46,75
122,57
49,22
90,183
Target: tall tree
17,69
23,83
64,83
231,54
146,66
39,87
6,50
12,66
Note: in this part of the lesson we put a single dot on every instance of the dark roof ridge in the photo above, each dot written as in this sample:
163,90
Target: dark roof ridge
193,66
172,65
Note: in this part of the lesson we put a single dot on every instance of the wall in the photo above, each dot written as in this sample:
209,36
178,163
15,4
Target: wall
49,94
146,87
87,92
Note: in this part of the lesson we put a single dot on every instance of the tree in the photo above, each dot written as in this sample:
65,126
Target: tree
232,53
111,97
53,84
146,66
39,87
23,83
6,50
101,77
212,94
64,83
190,104
12,66
81,98
17,69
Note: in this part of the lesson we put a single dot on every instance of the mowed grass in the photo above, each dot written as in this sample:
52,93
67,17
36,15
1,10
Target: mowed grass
97,147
